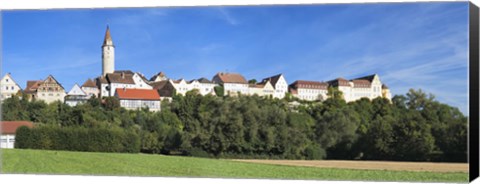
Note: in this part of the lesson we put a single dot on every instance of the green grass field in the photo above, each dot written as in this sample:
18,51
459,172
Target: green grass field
85,163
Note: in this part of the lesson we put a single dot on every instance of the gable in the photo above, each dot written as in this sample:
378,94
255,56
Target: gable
76,91
50,83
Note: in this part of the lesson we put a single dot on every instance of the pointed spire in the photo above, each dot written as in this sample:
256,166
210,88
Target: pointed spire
108,38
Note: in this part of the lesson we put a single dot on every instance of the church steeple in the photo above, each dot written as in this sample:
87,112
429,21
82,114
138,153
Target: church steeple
108,54
108,38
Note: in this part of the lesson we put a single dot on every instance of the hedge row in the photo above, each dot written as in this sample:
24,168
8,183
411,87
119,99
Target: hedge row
77,139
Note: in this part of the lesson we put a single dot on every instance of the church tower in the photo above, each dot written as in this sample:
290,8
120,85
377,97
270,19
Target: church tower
108,54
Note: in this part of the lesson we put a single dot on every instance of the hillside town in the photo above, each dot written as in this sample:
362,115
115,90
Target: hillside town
134,90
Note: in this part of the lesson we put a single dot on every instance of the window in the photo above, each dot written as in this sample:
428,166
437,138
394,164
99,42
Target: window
11,88
6,80
6,87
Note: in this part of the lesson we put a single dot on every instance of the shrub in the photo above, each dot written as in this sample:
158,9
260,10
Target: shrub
78,139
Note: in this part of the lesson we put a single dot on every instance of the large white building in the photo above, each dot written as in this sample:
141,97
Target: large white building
233,83
133,99
309,90
8,87
279,84
121,79
370,87
8,130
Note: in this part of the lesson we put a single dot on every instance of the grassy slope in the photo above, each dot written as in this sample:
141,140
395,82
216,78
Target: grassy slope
62,162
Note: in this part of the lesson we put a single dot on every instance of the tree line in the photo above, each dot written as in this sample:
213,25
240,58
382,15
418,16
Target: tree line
411,127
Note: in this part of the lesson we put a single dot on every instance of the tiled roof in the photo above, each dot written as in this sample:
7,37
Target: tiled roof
258,85
9,127
32,86
178,81
368,77
309,84
361,83
101,80
201,80
231,78
339,82
137,94
164,88
124,71
160,74
89,83
159,84
124,78
273,79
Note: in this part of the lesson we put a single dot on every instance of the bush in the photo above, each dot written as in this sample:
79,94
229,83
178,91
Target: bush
198,152
315,152
23,137
78,139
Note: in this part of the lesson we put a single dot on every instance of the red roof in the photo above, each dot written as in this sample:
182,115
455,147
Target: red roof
137,94
309,84
9,127
231,78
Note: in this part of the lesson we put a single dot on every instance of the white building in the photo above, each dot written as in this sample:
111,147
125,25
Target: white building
119,80
138,98
8,87
180,85
233,83
279,84
90,88
309,90
364,87
76,96
203,85
8,129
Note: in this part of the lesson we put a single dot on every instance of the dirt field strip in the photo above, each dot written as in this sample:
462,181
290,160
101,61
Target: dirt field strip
371,165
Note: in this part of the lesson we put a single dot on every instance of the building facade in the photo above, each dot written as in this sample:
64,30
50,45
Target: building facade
233,83
90,88
8,87
309,90
76,96
279,84
133,99
264,88
50,90
31,90
370,87
8,129
119,80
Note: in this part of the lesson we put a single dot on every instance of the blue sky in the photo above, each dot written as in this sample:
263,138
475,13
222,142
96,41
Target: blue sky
410,45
